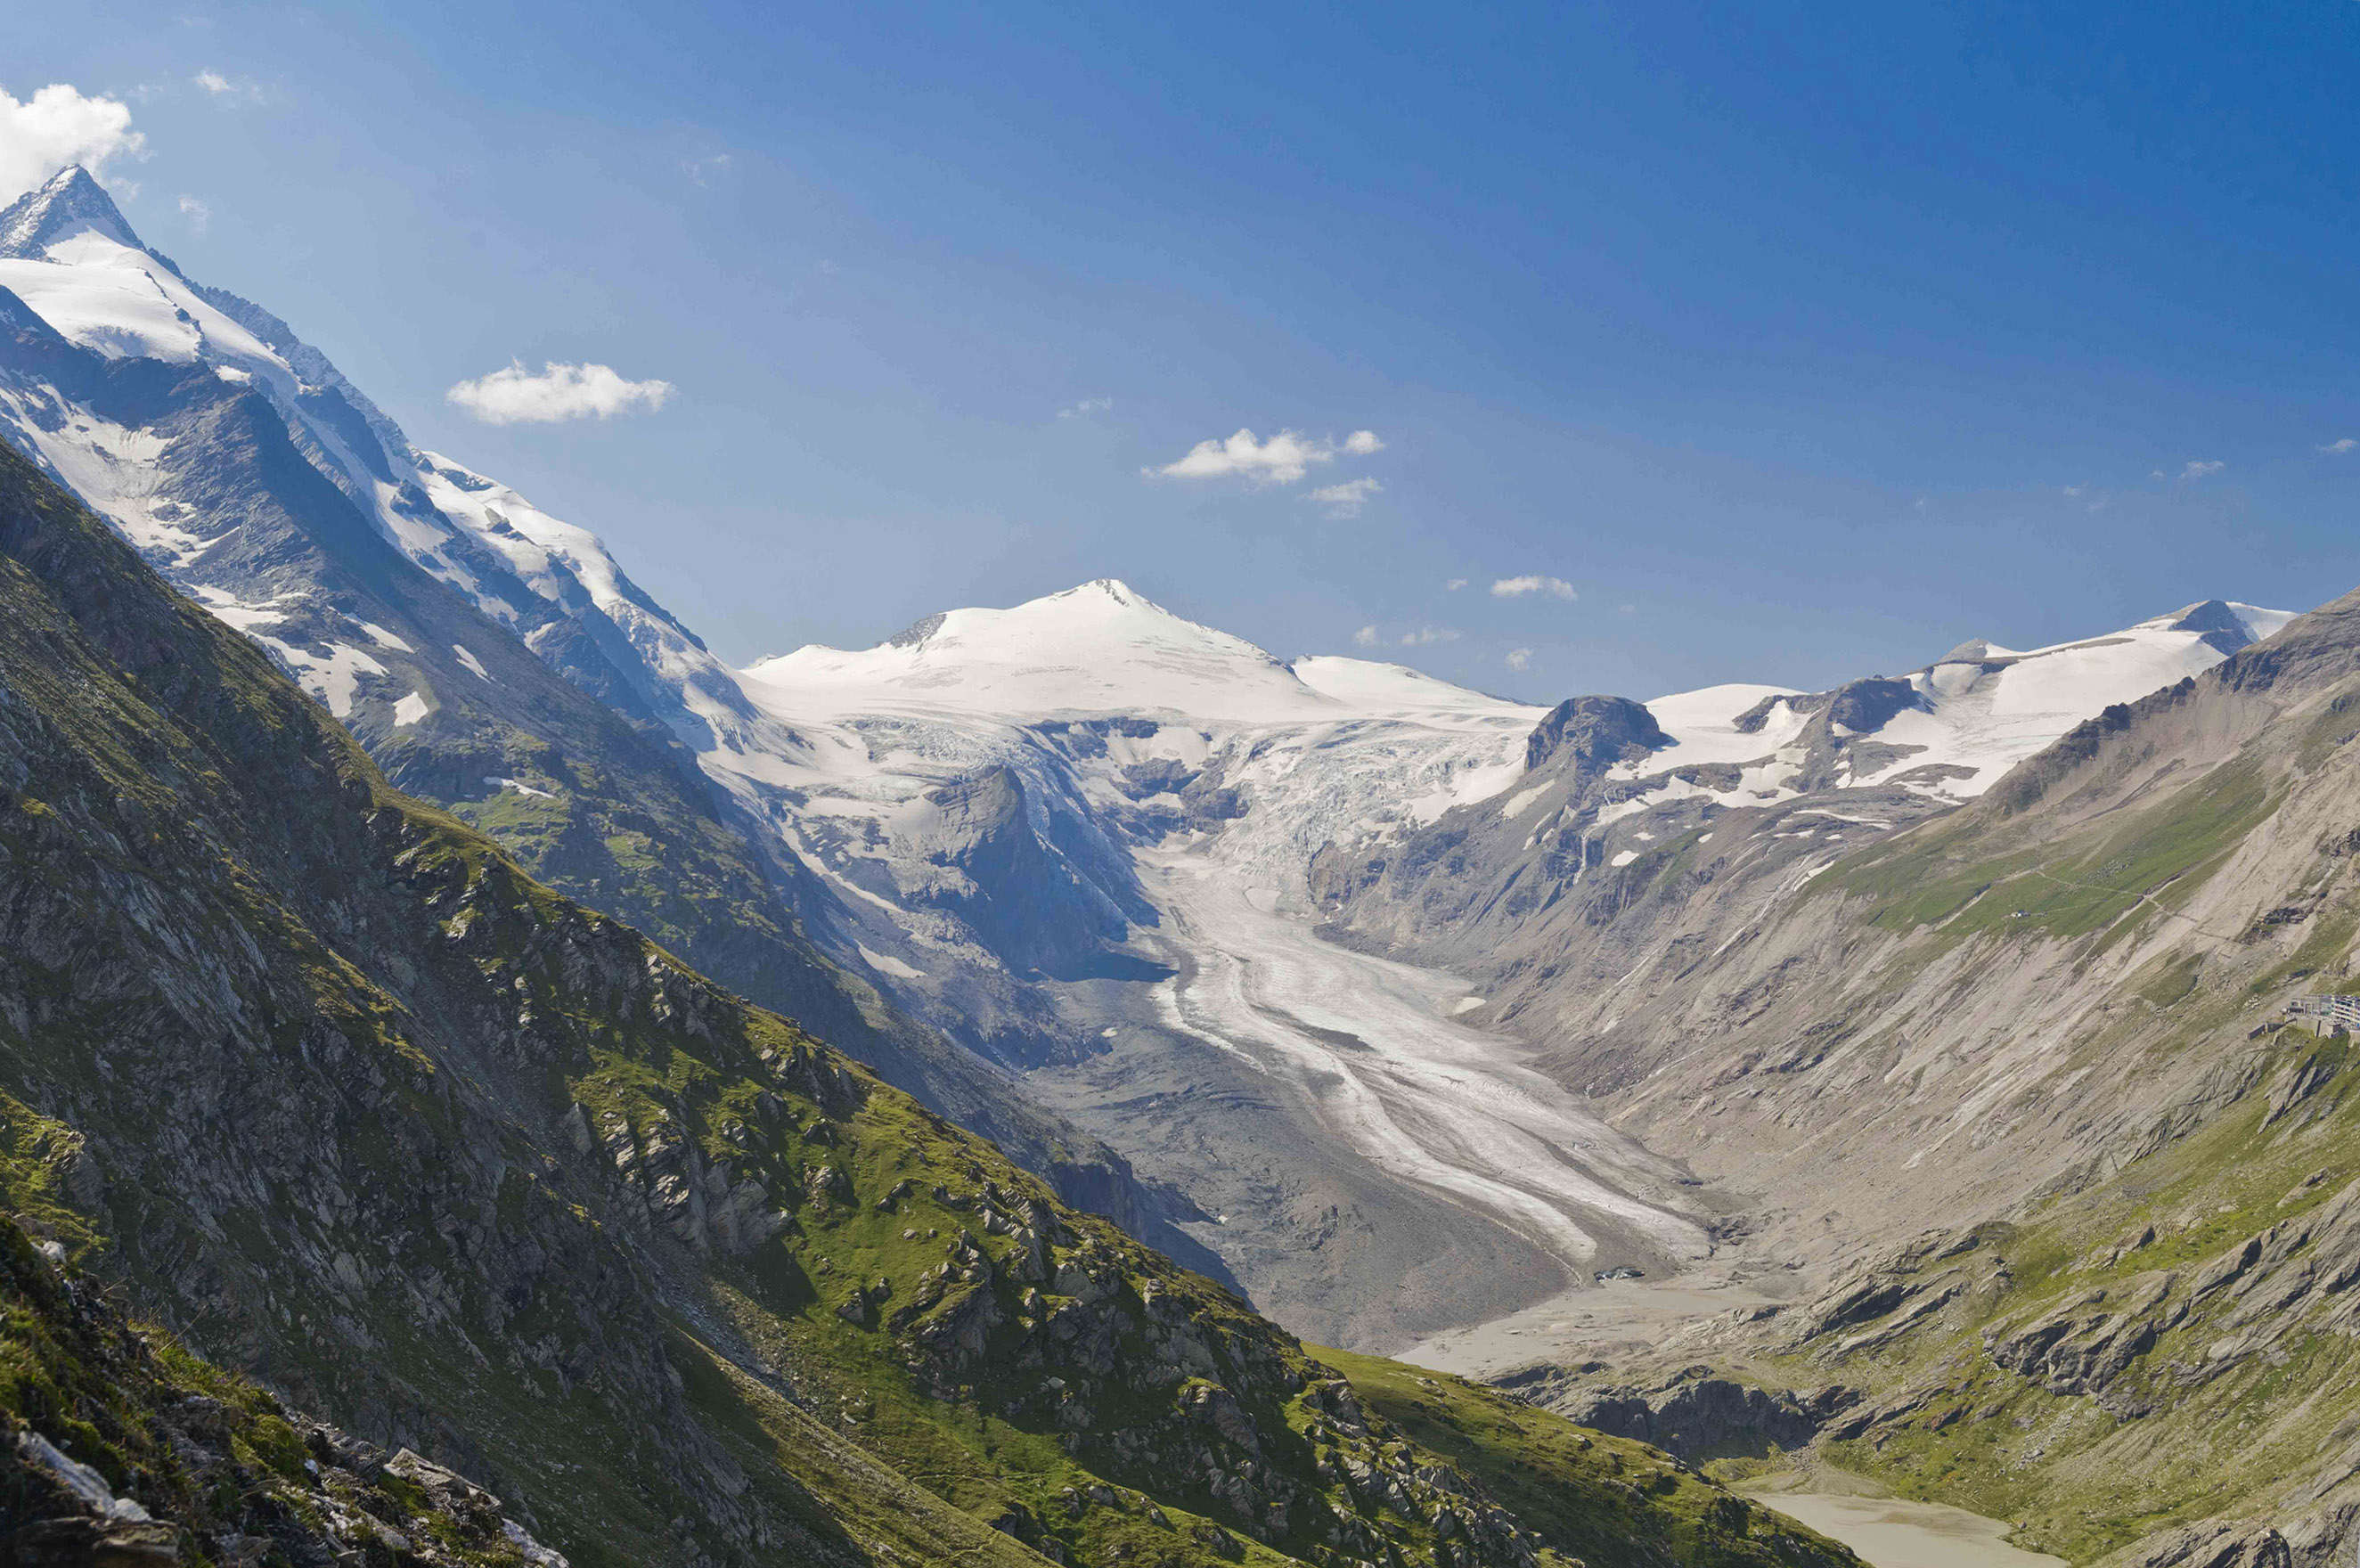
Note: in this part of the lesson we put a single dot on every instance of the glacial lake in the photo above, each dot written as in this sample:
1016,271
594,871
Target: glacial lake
1893,1532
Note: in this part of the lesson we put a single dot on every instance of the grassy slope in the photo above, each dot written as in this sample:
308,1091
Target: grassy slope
1597,1492
2078,1478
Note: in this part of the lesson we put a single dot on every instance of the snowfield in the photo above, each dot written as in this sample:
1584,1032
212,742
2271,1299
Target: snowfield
1323,750
1975,713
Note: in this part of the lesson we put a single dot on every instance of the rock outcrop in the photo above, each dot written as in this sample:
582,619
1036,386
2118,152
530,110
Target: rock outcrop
116,1447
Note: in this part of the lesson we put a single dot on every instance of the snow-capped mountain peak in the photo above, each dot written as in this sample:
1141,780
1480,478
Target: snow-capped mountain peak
2228,625
68,253
1099,648
70,204
73,262
1103,647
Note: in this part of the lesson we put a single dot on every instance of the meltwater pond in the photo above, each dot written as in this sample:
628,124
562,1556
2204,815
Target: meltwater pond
1893,1532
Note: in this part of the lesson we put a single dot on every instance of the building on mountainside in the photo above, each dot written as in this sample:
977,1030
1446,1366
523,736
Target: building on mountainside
2335,1011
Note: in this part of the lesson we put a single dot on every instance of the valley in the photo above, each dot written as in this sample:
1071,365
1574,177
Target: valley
1414,1173
934,1099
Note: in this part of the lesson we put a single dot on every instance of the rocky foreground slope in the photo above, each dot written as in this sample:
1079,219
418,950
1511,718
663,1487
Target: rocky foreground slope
125,1449
328,1085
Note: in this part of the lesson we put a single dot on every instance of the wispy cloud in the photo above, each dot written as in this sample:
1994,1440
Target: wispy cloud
2077,492
2197,469
1085,408
227,90
1428,636
1454,585
1347,498
1365,638
2348,444
197,213
558,392
58,125
1283,459
705,170
1518,658
1517,587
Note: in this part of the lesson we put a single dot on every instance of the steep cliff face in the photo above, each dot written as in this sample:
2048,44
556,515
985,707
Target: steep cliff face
332,1087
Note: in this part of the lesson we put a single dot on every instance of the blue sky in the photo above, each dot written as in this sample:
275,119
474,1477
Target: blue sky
1819,338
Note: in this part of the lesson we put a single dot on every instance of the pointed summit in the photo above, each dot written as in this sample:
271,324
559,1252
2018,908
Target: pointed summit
71,204
1115,588
2221,625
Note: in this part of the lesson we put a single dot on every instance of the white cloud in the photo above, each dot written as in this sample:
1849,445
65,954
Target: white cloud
704,171
1516,588
1628,608
516,396
2197,470
1365,638
1085,408
196,212
1347,498
1519,658
1426,636
1283,459
58,125
1454,585
2076,490
2340,447
227,89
